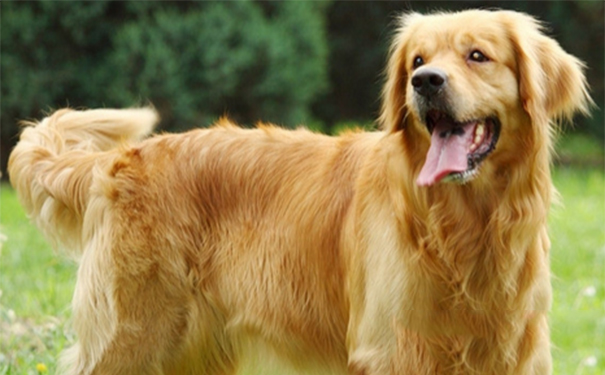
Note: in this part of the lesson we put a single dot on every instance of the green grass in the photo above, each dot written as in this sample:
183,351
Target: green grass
578,263
37,285
35,293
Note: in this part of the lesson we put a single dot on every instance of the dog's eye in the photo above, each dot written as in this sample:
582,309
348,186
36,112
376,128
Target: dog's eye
418,61
478,56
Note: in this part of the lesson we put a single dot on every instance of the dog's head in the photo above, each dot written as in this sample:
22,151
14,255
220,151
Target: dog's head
475,88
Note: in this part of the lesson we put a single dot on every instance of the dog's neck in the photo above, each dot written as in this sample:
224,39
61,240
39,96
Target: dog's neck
484,256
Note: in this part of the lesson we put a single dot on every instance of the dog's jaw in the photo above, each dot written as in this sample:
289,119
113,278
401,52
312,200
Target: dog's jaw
457,147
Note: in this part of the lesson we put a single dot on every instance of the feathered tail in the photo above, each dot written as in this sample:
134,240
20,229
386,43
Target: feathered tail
51,167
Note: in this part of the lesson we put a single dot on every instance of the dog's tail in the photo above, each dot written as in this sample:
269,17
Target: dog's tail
51,167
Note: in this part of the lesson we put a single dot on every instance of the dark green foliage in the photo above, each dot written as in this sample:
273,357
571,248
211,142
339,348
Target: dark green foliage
224,58
290,62
195,61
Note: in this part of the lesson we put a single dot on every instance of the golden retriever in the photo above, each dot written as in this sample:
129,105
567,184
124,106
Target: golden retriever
418,249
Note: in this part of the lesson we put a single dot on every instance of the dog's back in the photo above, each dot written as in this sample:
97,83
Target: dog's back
245,225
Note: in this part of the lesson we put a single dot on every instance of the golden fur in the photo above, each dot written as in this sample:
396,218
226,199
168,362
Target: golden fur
199,250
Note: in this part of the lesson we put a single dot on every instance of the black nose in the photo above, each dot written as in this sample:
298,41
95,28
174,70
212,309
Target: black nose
427,82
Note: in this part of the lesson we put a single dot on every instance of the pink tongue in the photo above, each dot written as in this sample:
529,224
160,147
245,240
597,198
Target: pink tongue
448,153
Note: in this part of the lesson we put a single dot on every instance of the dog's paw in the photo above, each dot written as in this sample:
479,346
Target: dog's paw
368,362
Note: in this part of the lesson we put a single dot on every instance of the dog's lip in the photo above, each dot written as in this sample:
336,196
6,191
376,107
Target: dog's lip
482,134
477,155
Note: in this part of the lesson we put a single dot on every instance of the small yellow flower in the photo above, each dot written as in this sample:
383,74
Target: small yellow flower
41,367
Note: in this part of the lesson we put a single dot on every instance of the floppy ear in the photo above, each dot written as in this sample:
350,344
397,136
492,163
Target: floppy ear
552,84
393,111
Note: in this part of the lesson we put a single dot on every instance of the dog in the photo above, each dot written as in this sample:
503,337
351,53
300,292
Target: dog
421,248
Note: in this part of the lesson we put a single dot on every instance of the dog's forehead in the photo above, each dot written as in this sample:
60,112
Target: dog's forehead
449,30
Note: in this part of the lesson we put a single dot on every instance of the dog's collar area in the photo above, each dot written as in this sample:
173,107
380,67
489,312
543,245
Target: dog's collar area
457,147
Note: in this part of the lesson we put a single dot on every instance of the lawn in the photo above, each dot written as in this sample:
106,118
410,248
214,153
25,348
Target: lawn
36,285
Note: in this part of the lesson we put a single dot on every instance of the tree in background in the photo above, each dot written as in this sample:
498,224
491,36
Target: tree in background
285,62
195,61
198,61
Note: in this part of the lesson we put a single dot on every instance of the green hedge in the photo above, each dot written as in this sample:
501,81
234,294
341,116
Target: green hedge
317,63
194,61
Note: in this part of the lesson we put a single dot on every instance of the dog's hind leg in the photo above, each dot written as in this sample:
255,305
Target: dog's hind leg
135,319
123,327
130,322
151,333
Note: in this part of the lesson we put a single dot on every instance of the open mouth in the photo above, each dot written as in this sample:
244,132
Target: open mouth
457,147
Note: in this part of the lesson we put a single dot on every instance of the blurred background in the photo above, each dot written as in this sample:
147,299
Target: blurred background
315,63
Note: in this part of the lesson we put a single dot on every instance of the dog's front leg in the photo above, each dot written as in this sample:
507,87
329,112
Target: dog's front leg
375,287
371,338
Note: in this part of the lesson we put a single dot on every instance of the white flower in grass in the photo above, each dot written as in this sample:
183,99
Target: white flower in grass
586,292
590,361
589,291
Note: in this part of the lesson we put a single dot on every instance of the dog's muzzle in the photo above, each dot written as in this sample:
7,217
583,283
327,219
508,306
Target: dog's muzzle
458,145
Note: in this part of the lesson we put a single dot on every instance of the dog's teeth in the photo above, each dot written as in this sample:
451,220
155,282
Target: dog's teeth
479,132
480,129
